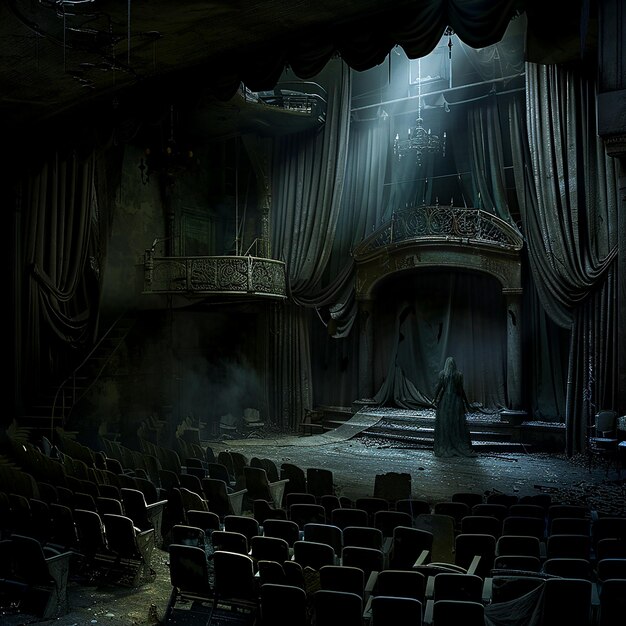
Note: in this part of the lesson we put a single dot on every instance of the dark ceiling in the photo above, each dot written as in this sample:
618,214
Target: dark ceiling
56,55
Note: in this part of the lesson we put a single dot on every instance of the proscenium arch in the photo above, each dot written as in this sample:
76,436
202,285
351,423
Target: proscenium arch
443,237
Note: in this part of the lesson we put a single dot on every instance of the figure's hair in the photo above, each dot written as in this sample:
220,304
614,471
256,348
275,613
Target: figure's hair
449,367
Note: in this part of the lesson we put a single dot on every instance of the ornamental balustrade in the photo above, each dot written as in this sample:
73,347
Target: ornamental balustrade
441,223
224,275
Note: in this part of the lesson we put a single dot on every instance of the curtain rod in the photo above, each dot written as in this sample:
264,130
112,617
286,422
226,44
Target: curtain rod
439,91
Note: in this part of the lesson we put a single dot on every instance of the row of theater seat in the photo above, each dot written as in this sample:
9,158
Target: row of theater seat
441,524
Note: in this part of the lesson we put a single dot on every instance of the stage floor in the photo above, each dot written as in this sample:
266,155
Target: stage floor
355,461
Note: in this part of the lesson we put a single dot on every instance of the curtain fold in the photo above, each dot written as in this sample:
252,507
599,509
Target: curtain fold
568,197
59,245
307,182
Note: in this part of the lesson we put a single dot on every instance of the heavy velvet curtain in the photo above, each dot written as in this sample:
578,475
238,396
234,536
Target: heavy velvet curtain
60,206
450,312
307,180
568,196
59,265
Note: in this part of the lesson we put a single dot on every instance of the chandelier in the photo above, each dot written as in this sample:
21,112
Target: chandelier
419,140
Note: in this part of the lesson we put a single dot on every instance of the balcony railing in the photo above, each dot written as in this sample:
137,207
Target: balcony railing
444,224
205,275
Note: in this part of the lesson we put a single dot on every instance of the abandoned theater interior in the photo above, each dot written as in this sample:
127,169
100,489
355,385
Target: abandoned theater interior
250,245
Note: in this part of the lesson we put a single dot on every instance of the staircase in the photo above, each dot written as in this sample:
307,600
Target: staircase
415,429
53,407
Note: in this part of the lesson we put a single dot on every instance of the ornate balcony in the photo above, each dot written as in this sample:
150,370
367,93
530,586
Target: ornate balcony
440,236
215,275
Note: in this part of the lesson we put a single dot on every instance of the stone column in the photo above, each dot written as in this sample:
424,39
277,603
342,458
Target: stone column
514,412
366,349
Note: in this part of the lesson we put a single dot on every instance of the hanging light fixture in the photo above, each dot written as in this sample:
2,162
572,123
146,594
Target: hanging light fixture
419,140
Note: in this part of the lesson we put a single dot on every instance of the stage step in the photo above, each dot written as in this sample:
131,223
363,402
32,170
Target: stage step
489,431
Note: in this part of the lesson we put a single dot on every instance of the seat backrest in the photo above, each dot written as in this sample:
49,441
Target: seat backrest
413,506
188,535
234,576
567,601
216,492
443,530
466,612
568,567
365,536
206,520
230,541
304,513
396,611
337,607
189,570
368,559
257,483
469,545
470,498
264,548
400,582
522,525
482,524
283,605
571,546
606,422
458,510
91,533
451,586
611,568
243,524
285,529
522,545
342,578
371,505
343,517
313,554
407,545
320,481
220,472
324,533
612,601
387,521
296,476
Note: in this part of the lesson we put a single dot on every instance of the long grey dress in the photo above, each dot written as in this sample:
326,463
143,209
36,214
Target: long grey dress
452,436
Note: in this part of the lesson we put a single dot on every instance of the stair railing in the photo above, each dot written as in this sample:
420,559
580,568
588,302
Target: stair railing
61,391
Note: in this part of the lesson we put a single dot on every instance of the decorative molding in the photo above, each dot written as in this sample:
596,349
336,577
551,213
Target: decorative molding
436,236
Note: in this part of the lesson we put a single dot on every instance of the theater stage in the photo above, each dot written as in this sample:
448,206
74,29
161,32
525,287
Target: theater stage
355,456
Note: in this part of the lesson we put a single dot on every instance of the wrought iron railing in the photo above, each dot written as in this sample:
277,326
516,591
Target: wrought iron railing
226,275
442,223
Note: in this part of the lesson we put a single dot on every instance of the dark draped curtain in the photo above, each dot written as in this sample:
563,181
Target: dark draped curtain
427,316
60,207
60,266
307,181
567,190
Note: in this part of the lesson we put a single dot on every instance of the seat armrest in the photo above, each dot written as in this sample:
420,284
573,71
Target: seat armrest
236,500
474,564
421,559
371,582
430,588
367,611
277,489
428,612
487,595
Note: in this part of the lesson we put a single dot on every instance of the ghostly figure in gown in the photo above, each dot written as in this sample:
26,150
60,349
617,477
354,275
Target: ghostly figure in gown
452,436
